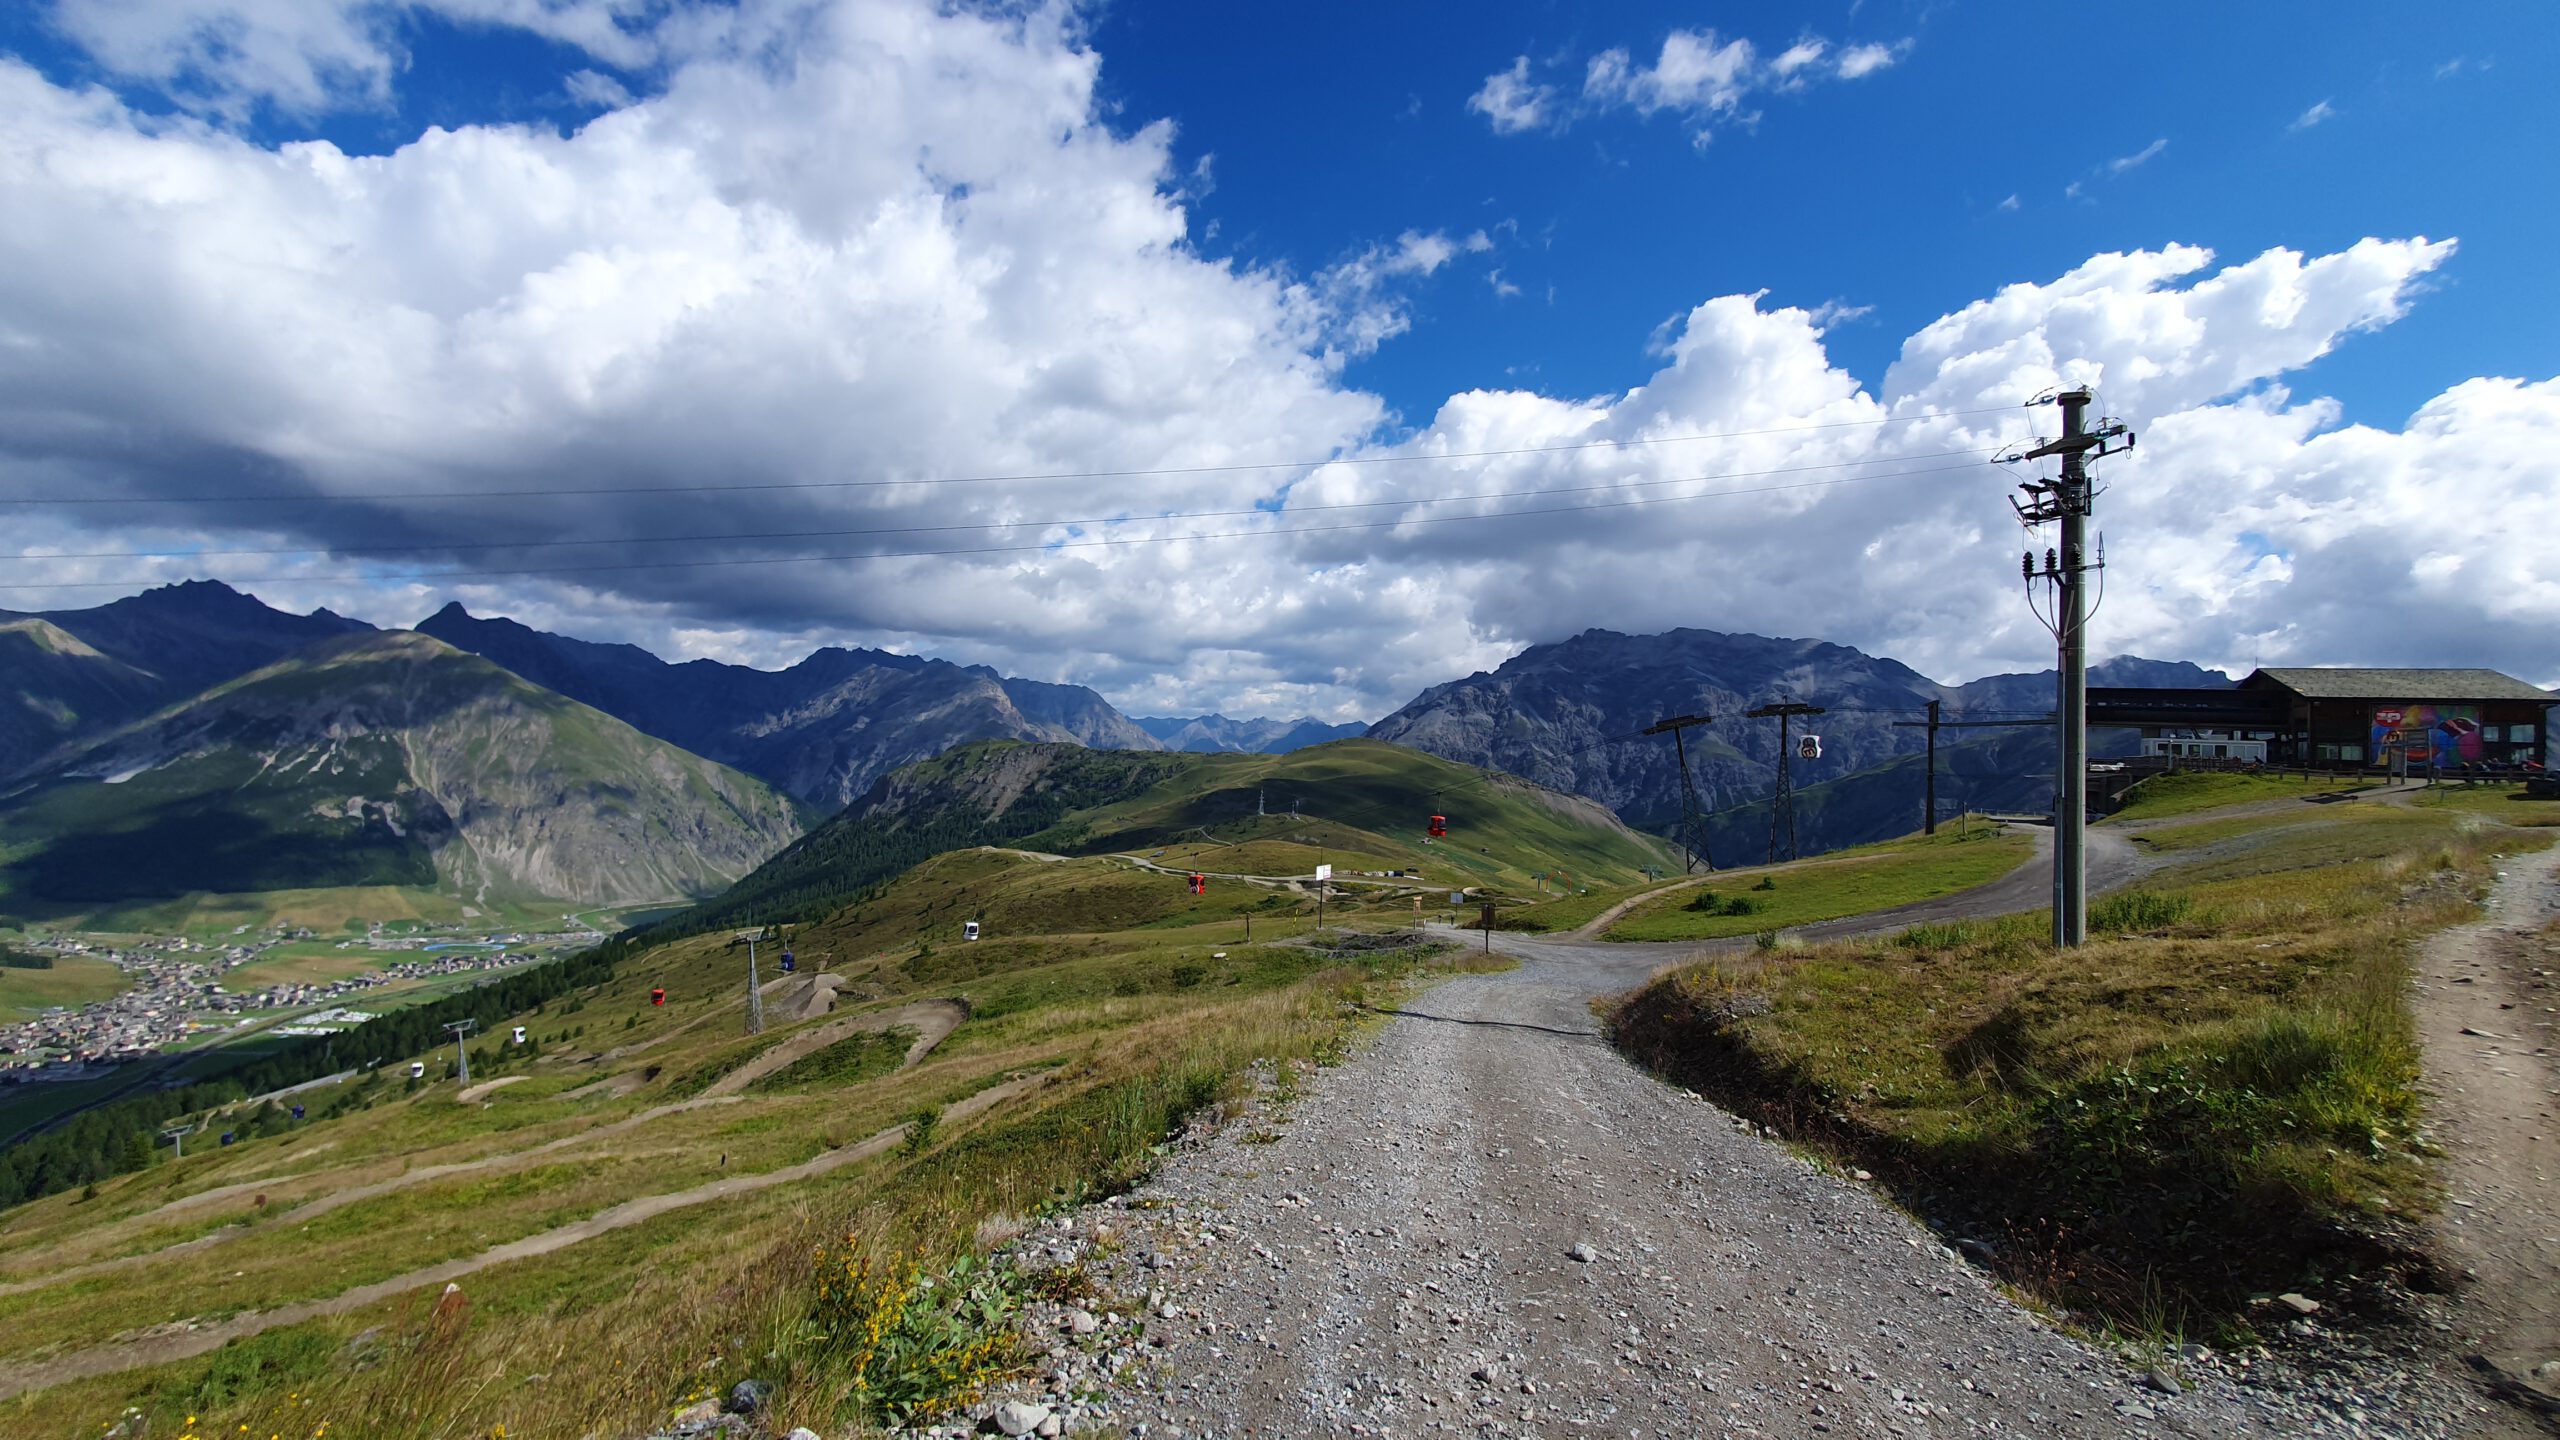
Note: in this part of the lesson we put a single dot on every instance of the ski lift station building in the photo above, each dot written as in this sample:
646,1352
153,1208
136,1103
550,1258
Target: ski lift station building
2345,718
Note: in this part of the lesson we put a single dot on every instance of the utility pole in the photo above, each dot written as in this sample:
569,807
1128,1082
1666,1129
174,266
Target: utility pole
755,994
1690,854
1929,785
2070,500
462,1047
1782,805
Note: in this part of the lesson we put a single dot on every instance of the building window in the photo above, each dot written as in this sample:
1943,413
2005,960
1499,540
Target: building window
2221,752
2489,733
2520,734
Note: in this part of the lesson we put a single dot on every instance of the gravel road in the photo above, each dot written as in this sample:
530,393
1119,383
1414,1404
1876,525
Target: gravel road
1489,1222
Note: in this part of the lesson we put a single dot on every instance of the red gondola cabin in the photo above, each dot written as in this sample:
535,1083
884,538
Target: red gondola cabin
1199,883
658,995
1439,826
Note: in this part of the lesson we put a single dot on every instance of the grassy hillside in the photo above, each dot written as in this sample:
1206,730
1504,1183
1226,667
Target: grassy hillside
1359,804
1377,798
55,688
1108,1004
387,760
1850,882
71,981
2218,1096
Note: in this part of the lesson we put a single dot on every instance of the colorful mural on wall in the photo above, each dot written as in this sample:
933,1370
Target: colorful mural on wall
2440,735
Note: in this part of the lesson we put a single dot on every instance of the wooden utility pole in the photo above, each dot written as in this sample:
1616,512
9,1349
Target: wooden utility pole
1929,785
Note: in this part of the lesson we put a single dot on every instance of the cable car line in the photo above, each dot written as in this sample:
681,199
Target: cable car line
557,492
363,577
804,534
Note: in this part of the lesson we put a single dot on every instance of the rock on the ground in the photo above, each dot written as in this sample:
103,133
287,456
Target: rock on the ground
1020,1417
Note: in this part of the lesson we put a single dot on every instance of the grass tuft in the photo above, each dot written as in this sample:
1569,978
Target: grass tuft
2217,1096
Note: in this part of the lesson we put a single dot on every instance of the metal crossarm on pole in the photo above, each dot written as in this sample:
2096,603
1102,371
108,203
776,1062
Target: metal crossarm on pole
461,1046
1782,804
1690,830
2069,501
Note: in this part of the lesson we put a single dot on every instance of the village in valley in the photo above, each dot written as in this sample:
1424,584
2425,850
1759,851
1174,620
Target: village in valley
176,996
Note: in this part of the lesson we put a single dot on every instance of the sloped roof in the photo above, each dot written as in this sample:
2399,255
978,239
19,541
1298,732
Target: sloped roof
2324,682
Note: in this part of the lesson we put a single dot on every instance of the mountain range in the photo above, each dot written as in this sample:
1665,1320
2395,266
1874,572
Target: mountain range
1209,734
164,683
822,730
1570,714
66,675
386,758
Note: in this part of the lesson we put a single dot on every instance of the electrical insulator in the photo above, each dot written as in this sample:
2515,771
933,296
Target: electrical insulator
2052,563
2027,566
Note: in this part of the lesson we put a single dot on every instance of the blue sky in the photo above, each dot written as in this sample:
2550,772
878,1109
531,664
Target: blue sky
1286,234
1348,120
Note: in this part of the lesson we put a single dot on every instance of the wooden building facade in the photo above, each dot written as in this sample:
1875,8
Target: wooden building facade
2402,719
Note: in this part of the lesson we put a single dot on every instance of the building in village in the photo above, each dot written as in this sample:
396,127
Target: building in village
2344,718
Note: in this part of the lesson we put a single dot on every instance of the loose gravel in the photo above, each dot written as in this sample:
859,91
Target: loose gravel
1488,1222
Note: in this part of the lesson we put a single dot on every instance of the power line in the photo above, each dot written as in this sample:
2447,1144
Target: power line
803,534
554,492
1041,546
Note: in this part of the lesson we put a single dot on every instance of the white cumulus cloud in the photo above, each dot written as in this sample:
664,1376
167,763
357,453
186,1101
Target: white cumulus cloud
1697,74
1512,101
760,361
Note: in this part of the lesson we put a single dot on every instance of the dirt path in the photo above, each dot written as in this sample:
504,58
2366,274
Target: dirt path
160,1349
2489,1019
2113,862
340,1199
932,1020
1408,1257
486,1087
1491,1222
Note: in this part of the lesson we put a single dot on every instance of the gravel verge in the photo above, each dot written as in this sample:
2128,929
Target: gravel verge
1489,1222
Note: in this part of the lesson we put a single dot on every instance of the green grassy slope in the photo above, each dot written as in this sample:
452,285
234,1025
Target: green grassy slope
72,980
1360,804
1110,1003
1853,882
2220,1095
382,760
